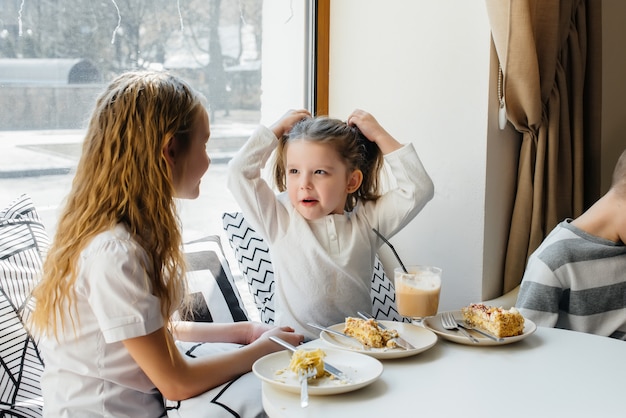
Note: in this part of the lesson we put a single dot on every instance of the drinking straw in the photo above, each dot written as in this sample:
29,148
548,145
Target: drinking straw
392,249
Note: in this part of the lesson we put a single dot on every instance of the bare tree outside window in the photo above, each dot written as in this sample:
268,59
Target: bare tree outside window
214,44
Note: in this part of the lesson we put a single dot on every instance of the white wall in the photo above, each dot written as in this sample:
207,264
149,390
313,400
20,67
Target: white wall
421,67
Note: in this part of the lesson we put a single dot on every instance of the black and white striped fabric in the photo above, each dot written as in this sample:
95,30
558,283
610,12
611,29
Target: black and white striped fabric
253,256
211,283
23,246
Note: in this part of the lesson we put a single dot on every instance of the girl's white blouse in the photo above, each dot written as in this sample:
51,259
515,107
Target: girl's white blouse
88,371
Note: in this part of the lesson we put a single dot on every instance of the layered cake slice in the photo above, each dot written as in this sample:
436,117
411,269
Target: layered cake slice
369,333
497,321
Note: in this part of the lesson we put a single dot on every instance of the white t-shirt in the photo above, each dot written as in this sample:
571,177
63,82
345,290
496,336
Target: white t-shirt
89,372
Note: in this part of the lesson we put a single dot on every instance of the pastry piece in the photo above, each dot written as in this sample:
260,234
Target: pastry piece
303,359
497,321
369,333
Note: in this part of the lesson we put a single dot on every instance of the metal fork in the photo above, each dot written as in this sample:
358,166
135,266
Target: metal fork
448,322
303,377
464,324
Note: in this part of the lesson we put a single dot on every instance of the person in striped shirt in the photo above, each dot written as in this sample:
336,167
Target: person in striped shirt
576,279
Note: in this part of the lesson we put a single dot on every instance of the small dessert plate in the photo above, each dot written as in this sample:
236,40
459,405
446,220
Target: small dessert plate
433,323
420,338
361,371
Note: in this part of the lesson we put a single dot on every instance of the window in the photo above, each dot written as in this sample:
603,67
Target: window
251,58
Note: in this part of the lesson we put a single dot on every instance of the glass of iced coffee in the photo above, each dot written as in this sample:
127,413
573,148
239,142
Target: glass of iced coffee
417,291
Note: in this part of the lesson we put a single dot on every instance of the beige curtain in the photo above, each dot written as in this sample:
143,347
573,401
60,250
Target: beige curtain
542,48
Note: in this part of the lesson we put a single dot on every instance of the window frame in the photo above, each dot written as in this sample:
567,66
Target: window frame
321,55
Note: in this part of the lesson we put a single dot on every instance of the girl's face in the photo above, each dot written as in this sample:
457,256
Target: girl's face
318,181
188,166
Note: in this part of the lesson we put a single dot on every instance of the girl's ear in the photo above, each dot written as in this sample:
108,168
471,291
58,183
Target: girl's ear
355,180
170,152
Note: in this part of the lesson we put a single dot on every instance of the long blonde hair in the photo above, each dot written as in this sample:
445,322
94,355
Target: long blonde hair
123,177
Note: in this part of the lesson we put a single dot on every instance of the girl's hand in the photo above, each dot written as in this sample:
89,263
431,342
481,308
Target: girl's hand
283,125
372,130
260,330
286,334
263,345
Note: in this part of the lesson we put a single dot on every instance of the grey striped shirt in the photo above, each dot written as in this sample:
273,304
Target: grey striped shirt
576,281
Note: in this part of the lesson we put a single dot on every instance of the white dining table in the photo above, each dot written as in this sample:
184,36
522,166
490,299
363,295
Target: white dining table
551,373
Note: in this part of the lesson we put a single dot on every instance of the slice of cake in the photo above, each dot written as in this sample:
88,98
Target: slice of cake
497,321
369,333
303,359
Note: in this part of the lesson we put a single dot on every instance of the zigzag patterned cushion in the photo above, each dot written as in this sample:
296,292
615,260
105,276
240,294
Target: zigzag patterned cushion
23,245
253,256
383,295
255,263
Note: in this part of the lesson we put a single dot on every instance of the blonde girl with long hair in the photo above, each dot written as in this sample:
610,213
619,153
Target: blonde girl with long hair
319,223
115,271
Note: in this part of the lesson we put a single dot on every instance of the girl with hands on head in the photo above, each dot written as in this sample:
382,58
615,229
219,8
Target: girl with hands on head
318,223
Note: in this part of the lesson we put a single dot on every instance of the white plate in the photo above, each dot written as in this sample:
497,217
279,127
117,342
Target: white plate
361,370
421,338
433,323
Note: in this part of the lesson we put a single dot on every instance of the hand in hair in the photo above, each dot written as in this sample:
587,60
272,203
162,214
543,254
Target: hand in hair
283,125
372,130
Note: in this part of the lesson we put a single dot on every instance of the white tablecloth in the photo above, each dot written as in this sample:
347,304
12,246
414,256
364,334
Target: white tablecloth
552,373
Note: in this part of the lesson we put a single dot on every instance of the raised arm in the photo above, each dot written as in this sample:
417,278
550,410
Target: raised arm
414,187
254,196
